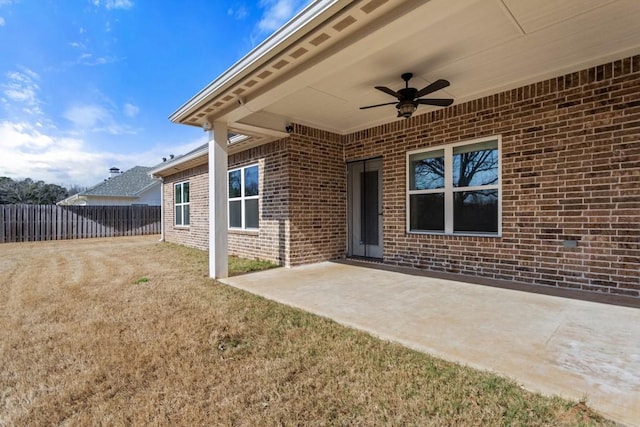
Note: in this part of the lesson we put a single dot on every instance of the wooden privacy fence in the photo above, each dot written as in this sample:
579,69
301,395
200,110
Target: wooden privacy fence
29,223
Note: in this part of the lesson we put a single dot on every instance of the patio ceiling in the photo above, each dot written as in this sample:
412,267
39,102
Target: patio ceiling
322,66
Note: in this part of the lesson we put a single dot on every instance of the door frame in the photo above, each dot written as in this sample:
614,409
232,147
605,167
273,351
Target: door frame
352,213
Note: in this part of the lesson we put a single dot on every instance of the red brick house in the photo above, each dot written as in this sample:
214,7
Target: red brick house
532,175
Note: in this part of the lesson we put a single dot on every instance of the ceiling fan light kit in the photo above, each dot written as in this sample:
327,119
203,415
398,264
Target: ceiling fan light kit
406,108
409,98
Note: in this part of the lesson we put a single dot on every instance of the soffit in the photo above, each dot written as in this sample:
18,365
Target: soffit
480,46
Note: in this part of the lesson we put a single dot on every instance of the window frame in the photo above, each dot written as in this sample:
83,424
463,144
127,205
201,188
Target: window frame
243,199
182,204
449,189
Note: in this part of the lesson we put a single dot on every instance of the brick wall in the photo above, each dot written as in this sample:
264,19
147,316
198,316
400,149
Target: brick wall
197,234
302,199
318,201
570,171
269,243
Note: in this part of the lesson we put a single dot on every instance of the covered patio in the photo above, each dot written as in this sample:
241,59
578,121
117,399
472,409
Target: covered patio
549,344
540,98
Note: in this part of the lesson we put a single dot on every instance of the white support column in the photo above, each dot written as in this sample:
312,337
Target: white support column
162,208
218,205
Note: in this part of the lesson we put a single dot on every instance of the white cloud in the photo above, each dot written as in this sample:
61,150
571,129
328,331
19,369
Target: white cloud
94,118
91,60
20,94
114,4
86,56
21,90
33,154
238,13
2,21
21,135
130,110
87,116
30,151
276,13
119,4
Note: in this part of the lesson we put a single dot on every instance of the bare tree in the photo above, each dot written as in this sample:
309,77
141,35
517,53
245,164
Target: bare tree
28,191
474,209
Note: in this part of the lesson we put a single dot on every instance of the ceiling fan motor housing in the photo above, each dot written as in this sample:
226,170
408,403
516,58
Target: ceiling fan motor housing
407,94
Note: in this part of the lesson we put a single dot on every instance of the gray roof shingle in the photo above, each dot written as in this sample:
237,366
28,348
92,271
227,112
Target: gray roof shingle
127,184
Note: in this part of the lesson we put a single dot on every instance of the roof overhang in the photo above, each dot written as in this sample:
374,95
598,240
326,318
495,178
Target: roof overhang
200,156
322,66
261,55
195,158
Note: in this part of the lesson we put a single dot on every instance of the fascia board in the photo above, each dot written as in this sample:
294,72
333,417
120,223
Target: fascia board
202,152
273,45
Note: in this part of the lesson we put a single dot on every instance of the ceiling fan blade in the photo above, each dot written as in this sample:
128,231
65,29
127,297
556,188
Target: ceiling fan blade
437,85
438,102
388,91
378,105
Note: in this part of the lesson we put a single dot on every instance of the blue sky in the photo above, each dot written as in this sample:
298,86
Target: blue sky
88,84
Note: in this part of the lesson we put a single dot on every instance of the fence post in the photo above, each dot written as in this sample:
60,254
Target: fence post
2,223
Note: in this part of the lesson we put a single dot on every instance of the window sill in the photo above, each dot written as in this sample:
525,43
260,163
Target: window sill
180,227
239,231
442,233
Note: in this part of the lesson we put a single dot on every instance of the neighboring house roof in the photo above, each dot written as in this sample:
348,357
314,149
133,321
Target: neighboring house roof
128,184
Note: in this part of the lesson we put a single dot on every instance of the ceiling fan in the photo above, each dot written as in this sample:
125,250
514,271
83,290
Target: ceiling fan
409,97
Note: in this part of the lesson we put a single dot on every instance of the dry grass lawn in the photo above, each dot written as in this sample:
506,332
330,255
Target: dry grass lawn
131,331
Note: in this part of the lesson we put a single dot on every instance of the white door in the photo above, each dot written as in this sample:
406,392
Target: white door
365,208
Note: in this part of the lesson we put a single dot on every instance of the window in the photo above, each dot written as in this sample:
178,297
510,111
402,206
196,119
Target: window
244,194
455,189
181,196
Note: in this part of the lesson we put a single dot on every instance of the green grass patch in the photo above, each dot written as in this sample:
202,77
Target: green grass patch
239,265
141,280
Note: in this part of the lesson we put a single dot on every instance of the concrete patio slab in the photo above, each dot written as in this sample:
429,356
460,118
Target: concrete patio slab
557,346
